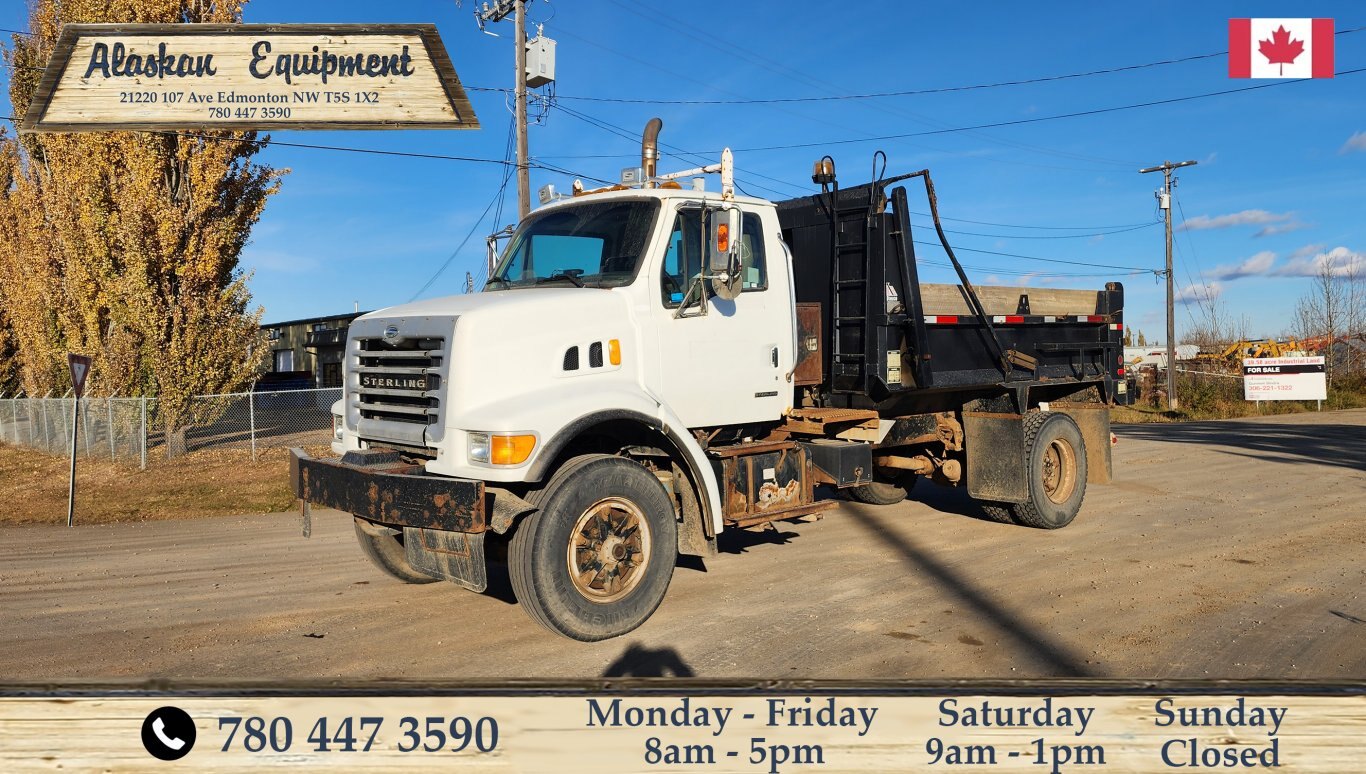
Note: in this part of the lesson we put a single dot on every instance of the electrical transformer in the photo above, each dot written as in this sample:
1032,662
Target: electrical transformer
540,61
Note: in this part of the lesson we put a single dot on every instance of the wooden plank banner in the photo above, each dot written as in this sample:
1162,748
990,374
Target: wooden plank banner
663,730
109,77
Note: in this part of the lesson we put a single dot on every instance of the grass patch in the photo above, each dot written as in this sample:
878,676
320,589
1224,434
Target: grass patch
33,486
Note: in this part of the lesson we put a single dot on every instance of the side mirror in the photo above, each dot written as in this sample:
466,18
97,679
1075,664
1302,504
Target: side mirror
724,253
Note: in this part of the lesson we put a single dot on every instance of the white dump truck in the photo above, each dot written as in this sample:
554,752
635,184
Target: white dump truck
651,364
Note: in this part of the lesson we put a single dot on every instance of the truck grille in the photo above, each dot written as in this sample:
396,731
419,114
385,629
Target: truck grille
400,382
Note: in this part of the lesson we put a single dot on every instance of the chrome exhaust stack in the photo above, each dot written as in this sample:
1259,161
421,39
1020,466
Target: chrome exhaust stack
649,151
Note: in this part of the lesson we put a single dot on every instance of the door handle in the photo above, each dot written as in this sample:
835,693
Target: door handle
775,357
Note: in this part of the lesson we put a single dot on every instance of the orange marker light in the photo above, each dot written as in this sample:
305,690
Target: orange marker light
723,238
614,352
511,449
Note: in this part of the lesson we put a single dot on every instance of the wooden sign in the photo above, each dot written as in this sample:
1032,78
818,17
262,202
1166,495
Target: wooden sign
249,76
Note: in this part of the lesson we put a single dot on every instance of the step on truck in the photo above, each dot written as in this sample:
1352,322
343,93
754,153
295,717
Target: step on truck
653,363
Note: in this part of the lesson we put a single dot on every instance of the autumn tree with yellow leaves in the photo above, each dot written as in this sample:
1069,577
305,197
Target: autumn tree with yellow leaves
126,245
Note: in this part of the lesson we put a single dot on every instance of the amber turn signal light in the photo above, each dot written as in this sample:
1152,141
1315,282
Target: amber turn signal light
511,449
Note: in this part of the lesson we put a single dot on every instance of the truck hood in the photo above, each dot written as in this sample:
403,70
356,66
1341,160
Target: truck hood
531,301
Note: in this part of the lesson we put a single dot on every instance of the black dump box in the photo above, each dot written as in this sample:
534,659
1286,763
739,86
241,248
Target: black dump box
886,341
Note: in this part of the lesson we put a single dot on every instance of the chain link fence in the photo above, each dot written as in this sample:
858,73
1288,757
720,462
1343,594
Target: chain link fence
130,429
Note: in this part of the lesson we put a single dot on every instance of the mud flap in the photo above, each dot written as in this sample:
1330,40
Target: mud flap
1094,422
455,556
996,457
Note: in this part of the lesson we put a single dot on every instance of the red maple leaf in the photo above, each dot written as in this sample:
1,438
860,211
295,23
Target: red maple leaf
1281,49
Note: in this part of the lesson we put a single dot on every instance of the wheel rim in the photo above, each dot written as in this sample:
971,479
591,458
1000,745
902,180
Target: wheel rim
609,548
1059,471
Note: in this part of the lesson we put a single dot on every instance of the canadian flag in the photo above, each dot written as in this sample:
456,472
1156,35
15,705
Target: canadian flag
1280,48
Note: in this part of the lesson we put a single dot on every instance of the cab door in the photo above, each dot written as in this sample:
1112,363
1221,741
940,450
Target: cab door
722,362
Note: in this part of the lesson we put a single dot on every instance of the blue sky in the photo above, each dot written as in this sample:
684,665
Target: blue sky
1279,188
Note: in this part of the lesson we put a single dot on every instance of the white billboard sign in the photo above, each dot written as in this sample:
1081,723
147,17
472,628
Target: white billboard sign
1284,378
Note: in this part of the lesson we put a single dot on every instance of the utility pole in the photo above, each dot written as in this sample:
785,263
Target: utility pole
496,13
1164,200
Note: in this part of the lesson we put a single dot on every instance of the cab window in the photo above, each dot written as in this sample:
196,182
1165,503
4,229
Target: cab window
683,255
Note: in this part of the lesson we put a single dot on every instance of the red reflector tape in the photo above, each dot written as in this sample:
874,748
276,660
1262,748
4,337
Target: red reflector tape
1014,319
1095,318
1116,326
949,320
1120,372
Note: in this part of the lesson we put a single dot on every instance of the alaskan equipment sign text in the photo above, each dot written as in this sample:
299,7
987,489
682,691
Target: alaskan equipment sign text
210,76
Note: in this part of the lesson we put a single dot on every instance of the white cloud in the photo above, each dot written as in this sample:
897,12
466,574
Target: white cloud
1281,228
1252,267
1199,294
1244,218
1356,142
1307,250
1339,261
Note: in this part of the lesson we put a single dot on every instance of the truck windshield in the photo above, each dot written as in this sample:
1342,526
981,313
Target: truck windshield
593,243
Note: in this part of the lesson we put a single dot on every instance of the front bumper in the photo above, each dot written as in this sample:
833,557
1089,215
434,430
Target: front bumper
378,486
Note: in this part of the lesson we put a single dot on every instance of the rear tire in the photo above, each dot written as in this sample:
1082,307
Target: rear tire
999,512
596,558
1055,456
888,489
385,550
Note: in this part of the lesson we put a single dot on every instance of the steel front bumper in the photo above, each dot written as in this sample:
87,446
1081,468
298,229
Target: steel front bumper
378,486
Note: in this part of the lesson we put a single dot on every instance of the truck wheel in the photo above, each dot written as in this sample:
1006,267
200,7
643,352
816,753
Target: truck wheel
1055,456
998,512
886,489
384,548
595,559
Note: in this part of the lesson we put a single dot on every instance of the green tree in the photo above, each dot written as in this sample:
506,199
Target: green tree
126,245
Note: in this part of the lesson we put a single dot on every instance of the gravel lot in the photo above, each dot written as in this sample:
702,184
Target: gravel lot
1229,549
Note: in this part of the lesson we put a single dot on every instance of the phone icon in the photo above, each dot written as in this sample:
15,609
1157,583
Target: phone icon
159,728
168,733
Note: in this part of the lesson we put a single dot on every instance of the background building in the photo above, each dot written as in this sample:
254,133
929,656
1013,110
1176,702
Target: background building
307,353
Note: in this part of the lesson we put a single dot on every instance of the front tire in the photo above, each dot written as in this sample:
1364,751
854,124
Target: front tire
384,548
596,558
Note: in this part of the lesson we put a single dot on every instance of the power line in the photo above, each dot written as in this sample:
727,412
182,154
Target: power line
1037,258
1015,122
884,94
1053,236
1050,228
627,135
446,263
914,92
1020,273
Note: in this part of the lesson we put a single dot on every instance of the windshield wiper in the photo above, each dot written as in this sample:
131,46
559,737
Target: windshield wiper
562,276
499,280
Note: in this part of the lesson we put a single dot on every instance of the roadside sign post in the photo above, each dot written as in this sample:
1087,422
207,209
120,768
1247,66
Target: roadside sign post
80,369
1284,378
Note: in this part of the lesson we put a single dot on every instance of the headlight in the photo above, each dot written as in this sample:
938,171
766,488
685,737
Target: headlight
479,447
337,425
500,449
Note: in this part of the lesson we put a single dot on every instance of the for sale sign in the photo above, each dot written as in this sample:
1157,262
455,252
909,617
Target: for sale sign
1284,378
248,76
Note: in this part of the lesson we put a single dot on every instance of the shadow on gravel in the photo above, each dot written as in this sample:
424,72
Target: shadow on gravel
738,541
1307,444
640,661
951,499
1032,644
